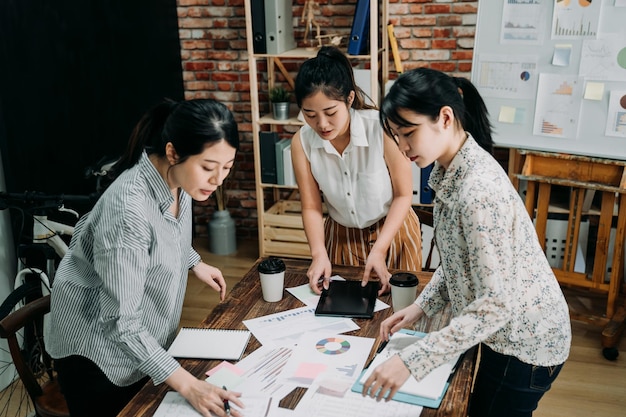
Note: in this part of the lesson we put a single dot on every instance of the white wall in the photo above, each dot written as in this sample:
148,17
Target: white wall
7,273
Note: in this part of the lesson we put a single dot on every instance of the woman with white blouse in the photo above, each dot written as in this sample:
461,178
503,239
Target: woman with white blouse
343,157
503,293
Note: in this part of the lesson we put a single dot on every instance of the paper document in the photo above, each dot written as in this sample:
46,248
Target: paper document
430,390
286,327
175,405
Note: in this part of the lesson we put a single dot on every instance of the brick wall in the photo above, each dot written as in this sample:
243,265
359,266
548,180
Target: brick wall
437,34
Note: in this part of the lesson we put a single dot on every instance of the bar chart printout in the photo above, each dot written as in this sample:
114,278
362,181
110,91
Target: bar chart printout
559,100
576,19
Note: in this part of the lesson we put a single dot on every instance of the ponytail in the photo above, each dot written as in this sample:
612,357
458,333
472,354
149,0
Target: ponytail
331,73
476,117
147,134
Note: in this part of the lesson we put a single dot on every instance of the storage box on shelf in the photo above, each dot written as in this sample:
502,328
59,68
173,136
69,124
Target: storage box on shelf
280,227
283,230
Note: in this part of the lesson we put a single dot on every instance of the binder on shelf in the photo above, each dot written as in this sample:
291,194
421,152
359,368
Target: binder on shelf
357,44
290,176
279,26
258,26
280,160
417,184
267,146
427,194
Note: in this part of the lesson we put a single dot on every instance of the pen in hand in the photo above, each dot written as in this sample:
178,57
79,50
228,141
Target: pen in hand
382,346
226,403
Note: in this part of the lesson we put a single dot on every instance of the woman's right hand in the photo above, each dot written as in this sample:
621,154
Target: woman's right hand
400,319
206,398
320,268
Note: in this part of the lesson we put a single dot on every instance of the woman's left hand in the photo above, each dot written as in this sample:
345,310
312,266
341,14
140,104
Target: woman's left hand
386,379
212,277
376,262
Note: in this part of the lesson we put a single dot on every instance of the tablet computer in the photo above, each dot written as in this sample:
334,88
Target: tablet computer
348,299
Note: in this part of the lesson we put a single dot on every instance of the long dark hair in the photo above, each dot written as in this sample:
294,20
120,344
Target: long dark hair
189,125
425,91
331,73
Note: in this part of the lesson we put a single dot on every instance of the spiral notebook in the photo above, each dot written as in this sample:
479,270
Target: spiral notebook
204,343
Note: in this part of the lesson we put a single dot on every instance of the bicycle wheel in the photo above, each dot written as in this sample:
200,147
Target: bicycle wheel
14,400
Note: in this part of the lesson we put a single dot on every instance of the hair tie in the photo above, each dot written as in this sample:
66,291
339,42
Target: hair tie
457,81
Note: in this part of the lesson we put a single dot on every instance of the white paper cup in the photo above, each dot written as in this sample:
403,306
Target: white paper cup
403,290
272,276
272,286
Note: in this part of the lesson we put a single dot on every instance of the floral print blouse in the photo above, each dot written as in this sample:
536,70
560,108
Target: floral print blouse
493,271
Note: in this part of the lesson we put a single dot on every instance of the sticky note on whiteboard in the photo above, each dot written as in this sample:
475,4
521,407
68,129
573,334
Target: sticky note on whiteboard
562,54
510,114
594,91
507,114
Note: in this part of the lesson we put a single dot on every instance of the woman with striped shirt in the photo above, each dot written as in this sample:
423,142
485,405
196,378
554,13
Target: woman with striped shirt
118,293
366,182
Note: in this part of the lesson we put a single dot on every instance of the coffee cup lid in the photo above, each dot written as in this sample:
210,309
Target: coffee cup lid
403,279
271,265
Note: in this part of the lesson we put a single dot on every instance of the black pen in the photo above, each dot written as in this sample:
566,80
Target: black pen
226,403
380,349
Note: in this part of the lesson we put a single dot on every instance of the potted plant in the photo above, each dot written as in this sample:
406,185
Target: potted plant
279,97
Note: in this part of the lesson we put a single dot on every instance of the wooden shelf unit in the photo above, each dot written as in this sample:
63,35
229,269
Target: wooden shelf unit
280,226
584,175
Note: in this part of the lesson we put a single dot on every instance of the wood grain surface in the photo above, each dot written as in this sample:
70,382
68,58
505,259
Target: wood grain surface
245,301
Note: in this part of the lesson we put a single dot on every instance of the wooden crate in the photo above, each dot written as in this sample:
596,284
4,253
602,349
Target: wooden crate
284,232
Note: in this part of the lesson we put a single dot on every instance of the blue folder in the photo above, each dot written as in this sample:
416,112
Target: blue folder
426,193
410,398
357,44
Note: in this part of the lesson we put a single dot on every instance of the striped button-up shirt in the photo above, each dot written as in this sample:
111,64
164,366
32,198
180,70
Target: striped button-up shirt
118,293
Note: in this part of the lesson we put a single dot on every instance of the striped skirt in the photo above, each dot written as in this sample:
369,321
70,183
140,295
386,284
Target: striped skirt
351,246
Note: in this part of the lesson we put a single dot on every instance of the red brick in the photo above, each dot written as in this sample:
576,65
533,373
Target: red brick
441,32
443,66
462,55
444,44
414,44
437,9
465,8
465,66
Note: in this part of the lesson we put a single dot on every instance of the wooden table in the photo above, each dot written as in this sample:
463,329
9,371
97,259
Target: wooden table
245,301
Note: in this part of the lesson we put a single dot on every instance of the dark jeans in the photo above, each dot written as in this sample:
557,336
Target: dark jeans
507,387
88,392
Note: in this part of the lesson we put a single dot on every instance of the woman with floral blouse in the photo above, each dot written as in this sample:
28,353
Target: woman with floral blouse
503,293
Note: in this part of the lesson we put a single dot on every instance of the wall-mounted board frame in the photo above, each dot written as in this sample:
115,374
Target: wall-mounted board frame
553,74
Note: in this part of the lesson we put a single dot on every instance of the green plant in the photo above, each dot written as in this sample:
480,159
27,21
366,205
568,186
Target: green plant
279,95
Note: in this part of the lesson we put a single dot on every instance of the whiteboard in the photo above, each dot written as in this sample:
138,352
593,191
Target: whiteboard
521,106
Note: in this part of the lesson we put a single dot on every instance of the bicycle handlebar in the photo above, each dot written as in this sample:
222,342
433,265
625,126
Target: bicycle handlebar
32,197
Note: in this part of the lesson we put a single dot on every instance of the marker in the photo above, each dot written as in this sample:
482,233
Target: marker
226,403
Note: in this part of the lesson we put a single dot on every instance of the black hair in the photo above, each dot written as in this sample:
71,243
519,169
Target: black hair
425,91
331,73
188,125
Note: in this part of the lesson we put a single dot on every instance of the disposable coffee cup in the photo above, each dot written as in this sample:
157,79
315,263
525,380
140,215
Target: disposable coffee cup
272,275
403,289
